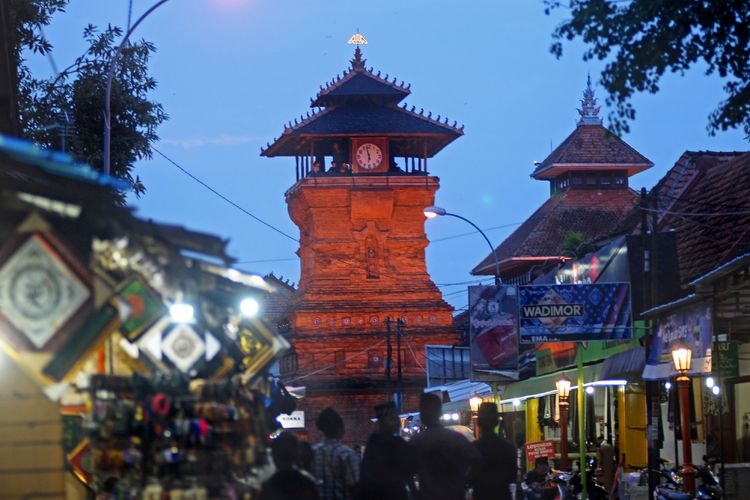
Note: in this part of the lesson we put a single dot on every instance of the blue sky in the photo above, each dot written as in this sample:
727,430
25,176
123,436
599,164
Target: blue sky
232,72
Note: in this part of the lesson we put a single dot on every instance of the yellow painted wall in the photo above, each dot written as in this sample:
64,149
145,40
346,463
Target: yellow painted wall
631,418
533,433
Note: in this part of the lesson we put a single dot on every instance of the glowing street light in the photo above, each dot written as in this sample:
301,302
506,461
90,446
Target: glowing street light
474,403
681,355
563,392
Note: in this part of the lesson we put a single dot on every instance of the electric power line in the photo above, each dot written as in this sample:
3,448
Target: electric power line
235,205
246,212
328,367
695,214
461,235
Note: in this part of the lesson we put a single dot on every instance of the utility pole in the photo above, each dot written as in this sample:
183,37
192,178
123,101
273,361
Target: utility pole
388,359
649,299
399,380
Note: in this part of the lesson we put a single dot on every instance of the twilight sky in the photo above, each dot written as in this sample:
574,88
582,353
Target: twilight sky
232,72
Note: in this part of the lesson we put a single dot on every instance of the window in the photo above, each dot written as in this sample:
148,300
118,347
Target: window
605,180
591,180
576,179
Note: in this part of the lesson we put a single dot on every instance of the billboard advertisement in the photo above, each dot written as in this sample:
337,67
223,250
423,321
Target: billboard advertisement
493,332
691,325
565,313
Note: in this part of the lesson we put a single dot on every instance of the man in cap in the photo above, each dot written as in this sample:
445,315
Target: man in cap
388,464
497,471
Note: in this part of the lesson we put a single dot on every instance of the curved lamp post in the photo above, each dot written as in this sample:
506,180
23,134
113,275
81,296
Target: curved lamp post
563,391
108,95
433,211
681,355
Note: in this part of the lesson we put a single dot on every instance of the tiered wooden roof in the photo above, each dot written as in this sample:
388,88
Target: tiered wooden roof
360,102
590,210
591,146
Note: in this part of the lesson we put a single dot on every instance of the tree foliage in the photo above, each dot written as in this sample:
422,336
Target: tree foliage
643,39
66,110
575,244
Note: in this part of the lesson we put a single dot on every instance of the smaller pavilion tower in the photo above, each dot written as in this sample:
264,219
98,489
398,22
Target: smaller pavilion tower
589,195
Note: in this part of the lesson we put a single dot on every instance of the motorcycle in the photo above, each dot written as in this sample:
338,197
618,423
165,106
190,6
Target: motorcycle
708,487
553,488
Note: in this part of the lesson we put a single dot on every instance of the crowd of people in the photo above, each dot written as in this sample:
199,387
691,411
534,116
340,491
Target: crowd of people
436,464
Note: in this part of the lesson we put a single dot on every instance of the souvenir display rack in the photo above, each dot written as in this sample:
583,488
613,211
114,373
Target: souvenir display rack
168,437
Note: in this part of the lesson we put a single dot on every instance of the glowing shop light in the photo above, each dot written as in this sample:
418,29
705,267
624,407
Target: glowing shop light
181,312
249,307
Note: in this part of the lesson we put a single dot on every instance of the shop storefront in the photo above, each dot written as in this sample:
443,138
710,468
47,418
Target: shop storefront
133,355
715,323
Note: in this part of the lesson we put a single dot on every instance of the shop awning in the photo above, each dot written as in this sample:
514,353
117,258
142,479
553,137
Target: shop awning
461,390
627,364
545,384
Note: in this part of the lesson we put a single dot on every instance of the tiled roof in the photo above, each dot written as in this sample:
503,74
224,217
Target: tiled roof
704,197
368,118
592,212
345,116
595,147
360,81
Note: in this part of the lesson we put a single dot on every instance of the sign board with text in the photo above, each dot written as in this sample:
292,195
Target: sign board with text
571,313
493,332
540,449
295,420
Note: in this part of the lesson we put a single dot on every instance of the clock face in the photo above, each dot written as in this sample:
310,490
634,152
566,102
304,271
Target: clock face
38,292
369,156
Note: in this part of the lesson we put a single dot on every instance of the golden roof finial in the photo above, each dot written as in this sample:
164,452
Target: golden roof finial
357,39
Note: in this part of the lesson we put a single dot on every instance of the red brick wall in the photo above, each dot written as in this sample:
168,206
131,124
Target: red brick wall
362,252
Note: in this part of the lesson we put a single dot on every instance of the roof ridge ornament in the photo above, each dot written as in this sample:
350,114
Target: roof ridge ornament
357,39
589,110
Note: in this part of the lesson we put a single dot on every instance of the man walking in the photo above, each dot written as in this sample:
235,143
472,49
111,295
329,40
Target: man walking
497,471
443,456
334,465
388,463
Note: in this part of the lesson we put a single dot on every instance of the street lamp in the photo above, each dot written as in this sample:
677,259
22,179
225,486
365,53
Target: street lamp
474,404
433,211
681,355
563,392
108,95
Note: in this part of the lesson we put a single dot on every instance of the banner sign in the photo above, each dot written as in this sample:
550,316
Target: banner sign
540,449
493,332
294,420
727,359
564,313
689,325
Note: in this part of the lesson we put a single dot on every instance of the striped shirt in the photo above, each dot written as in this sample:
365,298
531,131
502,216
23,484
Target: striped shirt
336,467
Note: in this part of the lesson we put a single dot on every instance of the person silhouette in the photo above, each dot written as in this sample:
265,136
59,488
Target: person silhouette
444,457
492,478
334,465
388,463
287,483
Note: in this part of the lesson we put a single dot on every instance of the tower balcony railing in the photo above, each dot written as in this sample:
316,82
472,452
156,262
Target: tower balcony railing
307,166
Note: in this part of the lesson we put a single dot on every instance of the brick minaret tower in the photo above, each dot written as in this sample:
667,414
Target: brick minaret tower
362,247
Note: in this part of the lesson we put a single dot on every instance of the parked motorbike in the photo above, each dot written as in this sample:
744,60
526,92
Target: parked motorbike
594,488
708,486
554,488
